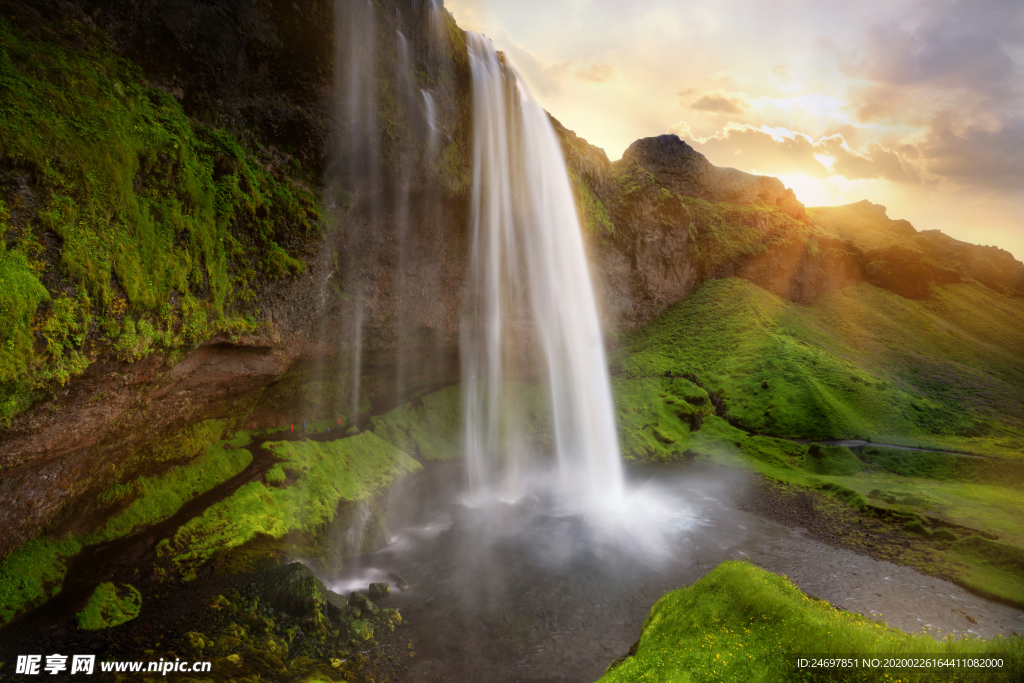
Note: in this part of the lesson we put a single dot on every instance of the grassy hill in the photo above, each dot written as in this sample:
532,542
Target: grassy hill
945,373
861,362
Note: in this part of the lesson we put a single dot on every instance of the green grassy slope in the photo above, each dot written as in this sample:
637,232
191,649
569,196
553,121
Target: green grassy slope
861,362
740,623
946,373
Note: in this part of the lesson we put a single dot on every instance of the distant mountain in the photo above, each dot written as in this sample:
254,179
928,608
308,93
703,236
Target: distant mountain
663,219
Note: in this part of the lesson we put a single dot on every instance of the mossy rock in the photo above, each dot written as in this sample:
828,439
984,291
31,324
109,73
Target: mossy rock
361,629
110,606
337,607
294,589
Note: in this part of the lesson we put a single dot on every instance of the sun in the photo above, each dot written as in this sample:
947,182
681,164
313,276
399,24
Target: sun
813,191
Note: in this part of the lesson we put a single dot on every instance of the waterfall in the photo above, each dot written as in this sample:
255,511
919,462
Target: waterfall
529,307
430,114
359,155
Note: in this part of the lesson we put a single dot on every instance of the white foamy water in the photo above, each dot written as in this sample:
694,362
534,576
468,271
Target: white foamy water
530,306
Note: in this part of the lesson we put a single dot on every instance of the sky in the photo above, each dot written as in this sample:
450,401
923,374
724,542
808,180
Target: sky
915,105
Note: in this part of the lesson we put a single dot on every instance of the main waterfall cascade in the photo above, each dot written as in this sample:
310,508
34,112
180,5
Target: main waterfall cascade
529,308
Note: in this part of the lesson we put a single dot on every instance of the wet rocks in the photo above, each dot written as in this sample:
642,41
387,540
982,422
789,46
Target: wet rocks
338,607
380,590
364,604
399,581
294,589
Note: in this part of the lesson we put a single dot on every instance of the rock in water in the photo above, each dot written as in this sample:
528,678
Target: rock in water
363,603
399,581
380,590
338,607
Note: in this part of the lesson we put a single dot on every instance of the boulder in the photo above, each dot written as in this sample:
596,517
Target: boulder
293,589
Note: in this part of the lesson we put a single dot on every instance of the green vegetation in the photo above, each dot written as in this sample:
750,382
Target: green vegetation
593,213
429,428
860,362
739,623
321,475
163,225
36,570
654,416
945,466
108,606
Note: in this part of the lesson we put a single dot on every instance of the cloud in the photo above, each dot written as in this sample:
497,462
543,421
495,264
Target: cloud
975,155
598,72
779,151
871,161
720,102
681,129
961,46
782,71
543,77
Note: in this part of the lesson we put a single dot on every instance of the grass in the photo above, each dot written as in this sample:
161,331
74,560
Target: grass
863,363
321,475
109,606
164,224
857,363
429,428
36,570
740,623
654,416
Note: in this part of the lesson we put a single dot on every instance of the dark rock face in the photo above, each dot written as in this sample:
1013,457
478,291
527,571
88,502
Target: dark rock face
260,65
686,171
294,589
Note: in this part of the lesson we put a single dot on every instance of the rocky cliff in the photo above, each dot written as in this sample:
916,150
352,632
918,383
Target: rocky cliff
662,220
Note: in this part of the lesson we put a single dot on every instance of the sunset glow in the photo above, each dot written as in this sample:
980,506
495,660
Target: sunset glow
916,106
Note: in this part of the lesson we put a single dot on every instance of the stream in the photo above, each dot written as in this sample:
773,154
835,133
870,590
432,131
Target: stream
524,592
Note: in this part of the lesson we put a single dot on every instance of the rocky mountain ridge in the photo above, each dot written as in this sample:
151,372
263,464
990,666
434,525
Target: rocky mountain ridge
670,220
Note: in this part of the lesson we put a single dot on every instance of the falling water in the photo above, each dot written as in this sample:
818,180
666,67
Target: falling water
400,203
430,114
360,155
529,306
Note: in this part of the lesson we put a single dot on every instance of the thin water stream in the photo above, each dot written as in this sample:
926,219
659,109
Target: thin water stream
523,592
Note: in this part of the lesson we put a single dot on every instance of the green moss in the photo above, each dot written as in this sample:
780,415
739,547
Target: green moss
654,416
946,466
182,447
592,211
325,473
36,570
161,496
430,428
109,606
741,623
29,574
859,362
164,224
